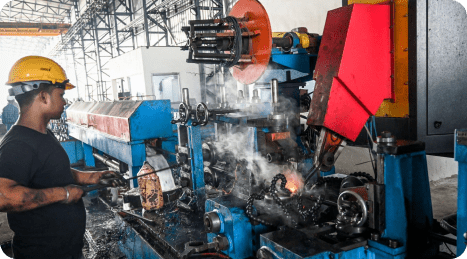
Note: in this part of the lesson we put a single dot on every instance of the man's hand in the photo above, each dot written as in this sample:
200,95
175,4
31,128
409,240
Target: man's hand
111,178
74,194
95,177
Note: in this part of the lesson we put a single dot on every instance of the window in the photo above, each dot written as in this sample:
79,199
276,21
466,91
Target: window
166,86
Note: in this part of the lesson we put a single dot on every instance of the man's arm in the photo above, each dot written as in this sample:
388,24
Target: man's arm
91,177
17,198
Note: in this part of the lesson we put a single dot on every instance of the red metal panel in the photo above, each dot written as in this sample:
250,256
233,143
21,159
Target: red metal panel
353,71
107,117
113,118
78,112
329,59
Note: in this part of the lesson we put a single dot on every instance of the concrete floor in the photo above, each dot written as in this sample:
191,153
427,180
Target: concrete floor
444,196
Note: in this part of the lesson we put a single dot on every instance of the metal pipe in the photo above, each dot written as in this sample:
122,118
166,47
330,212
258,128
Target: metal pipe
255,94
220,78
285,43
186,96
205,48
380,168
211,28
208,42
275,91
255,98
223,96
107,161
444,239
210,62
212,55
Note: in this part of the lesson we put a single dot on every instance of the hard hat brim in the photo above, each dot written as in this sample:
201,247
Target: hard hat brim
69,86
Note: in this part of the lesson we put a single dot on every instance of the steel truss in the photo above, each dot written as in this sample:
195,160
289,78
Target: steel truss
31,11
55,11
109,28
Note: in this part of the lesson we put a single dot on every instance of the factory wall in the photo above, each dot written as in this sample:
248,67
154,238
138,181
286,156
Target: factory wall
357,159
139,65
128,66
289,14
171,60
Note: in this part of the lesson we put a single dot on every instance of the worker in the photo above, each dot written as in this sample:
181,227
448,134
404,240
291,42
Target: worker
10,113
38,189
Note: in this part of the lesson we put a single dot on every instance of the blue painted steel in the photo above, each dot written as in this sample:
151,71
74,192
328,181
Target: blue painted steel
296,40
379,254
197,166
406,182
74,150
132,153
330,172
299,61
460,155
151,120
236,226
132,244
207,131
88,158
357,253
400,251
169,145
252,144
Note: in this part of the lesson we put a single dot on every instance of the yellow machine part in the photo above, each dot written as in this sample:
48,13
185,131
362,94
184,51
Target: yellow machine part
304,40
399,106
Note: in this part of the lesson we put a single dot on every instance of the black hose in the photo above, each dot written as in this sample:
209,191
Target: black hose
449,224
237,44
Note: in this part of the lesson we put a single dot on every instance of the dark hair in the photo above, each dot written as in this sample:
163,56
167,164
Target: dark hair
24,100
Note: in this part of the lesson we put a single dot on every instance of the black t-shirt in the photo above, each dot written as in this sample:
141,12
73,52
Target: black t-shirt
38,161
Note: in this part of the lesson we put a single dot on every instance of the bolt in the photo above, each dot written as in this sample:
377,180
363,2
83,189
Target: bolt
393,243
385,134
263,254
375,236
465,235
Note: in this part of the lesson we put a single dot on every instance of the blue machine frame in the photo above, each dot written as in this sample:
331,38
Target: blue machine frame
460,155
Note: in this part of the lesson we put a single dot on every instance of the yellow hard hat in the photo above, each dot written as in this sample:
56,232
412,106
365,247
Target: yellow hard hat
36,68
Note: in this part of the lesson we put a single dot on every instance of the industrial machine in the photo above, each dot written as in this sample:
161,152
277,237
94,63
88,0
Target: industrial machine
121,134
254,181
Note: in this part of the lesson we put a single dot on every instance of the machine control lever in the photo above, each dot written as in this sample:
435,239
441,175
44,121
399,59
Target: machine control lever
104,183
219,243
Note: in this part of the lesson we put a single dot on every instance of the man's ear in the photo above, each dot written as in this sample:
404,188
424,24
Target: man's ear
43,97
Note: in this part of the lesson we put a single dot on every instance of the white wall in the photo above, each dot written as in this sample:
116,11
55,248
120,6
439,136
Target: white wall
356,159
171,60
140,64
126,65
286,15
